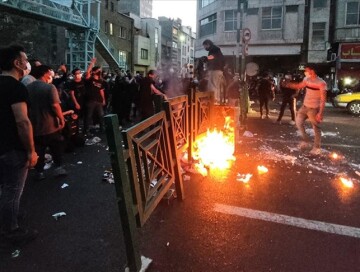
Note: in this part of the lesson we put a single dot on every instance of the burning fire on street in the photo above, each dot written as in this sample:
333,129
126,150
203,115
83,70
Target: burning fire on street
214,150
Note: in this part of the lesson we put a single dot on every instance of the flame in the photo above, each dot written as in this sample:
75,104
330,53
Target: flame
245,178
334,156
347,182
262,169
215,149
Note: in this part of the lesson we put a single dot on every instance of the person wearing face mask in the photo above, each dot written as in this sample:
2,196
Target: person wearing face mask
94,96
29,73
47,119
76,91
17,151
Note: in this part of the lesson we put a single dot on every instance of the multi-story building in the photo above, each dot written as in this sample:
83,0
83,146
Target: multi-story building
147,44
141,8
276,27
116,29
170,42
186,46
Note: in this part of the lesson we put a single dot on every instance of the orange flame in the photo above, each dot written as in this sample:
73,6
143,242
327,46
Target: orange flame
347,182
262,169
215,149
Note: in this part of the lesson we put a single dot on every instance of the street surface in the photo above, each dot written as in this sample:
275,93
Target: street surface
296,217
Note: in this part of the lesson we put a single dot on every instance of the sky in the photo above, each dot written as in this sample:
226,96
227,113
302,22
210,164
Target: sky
183,9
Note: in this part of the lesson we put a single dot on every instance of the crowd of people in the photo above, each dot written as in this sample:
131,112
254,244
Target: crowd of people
37,103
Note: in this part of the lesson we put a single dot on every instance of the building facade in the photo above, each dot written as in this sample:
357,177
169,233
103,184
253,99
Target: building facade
276,29
186,46
141,8
116,30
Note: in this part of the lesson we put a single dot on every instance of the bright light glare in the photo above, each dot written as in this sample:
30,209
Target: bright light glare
347,182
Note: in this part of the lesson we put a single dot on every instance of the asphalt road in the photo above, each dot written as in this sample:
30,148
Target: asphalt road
296,217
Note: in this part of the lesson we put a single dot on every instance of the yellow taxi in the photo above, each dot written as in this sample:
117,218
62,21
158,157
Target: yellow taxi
350,101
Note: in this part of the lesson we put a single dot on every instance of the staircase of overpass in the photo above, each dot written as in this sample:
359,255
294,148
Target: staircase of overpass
82,21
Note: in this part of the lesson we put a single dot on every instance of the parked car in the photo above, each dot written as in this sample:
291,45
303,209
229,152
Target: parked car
350,101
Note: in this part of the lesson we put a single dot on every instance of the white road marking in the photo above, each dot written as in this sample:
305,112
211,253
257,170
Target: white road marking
289,220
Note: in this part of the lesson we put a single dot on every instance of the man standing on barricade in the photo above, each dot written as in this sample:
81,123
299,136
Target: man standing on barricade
215,67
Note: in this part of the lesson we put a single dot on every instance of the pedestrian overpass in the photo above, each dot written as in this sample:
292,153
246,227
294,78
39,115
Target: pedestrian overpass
81,20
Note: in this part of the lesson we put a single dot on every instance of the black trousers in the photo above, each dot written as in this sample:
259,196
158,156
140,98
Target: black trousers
292,106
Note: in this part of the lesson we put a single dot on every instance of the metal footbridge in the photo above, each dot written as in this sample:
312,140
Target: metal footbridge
82,21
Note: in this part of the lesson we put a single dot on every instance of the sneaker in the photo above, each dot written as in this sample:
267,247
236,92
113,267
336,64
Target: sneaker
60,171
267,116
20,236
40,176
315,151
292,123
304,145
262,117
277,122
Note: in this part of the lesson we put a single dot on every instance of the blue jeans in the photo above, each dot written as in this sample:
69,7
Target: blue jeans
13,173
308,113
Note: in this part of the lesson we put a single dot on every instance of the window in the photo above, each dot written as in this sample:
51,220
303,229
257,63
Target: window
204,3
156,37
231,20
320,3
208,25
271,18
174,45
252,11
352,13
175,31
318,32
106,4
112,6
111,30
122,58
106,26
144,54
123,33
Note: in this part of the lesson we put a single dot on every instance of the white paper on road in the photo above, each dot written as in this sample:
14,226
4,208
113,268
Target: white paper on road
289,220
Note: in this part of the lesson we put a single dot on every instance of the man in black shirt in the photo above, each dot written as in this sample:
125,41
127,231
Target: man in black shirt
147,90
17,152
215,66
94,96
76,90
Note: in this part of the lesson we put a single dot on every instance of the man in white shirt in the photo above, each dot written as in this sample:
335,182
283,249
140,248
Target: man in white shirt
312,108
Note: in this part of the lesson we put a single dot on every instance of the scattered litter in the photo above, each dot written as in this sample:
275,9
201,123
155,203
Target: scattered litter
15,254
58,215
245,178
108,176
92,141
310,172
48,165
153,183
248,134
48,158
79,162
274,110
167,244
64,185
186,177
357,173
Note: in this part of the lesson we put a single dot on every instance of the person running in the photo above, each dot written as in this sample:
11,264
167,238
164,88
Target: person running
312,108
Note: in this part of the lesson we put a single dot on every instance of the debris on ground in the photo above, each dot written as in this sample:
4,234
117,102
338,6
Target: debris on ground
108,176
245,178
92,141
64,185
15,254
58,215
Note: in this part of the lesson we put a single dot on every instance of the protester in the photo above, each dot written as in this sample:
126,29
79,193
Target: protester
17,151
215,66
288,98
312,108
47,119
266,91
94,97
76,90
147,90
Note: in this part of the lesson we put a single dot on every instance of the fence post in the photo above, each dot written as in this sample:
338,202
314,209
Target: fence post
123,192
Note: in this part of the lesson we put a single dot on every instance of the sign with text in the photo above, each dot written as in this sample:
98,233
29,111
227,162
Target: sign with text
350,51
